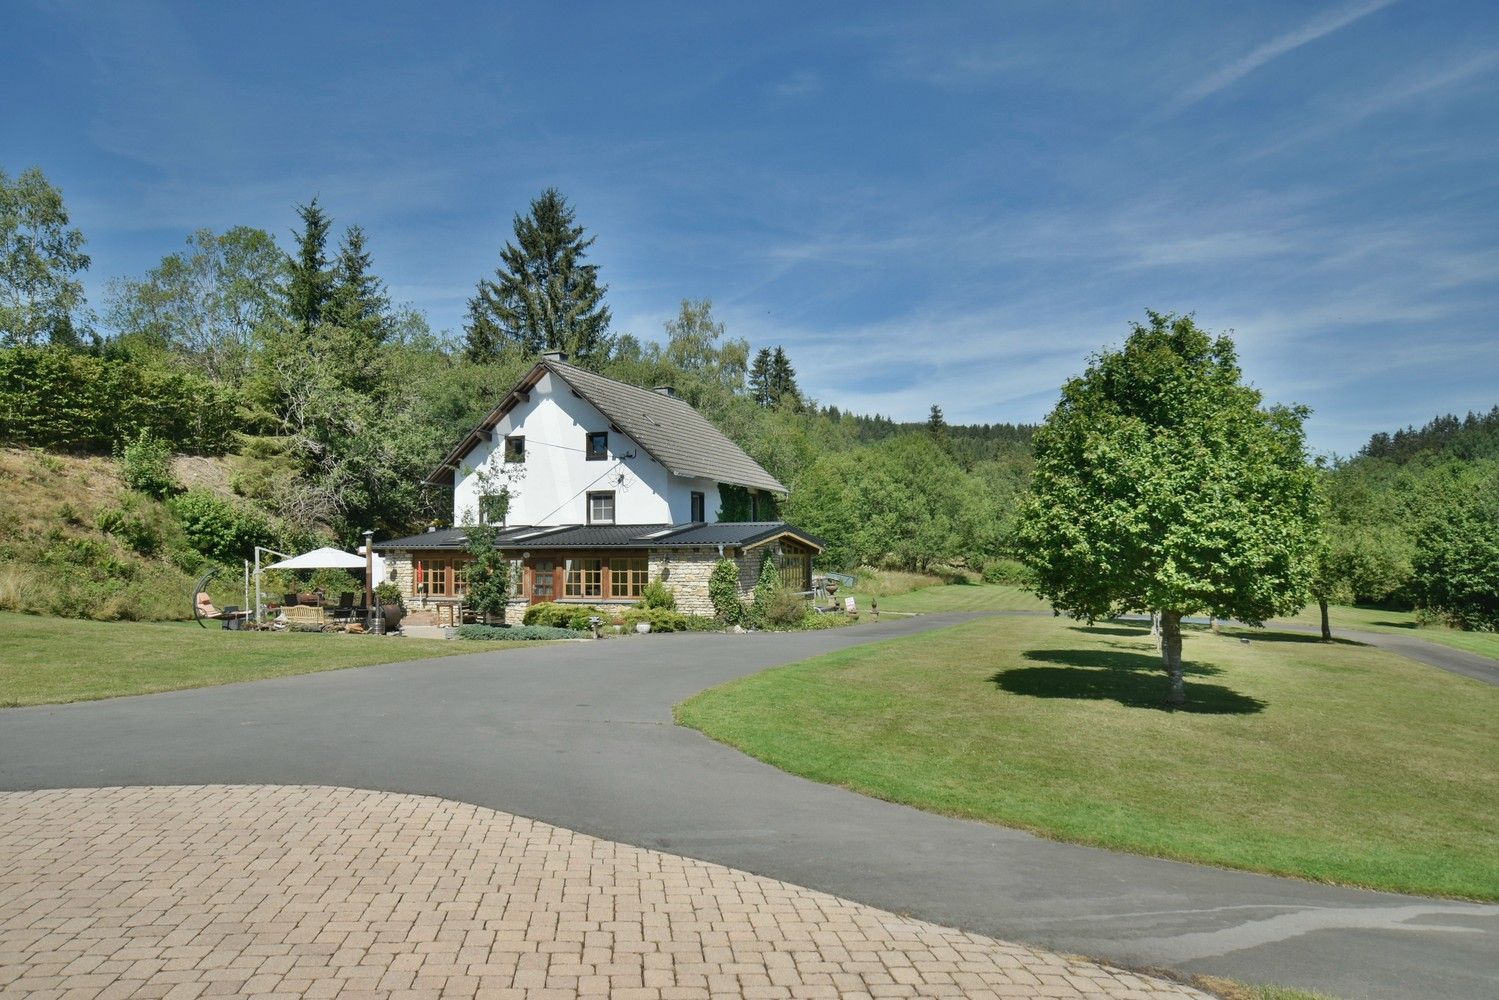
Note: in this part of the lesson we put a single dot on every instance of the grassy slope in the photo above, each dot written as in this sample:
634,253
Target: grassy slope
48,660
1332,762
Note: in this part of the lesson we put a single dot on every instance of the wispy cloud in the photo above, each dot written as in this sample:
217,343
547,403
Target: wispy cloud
802,83
1318,27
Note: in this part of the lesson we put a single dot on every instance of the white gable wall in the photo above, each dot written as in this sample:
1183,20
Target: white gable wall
553,483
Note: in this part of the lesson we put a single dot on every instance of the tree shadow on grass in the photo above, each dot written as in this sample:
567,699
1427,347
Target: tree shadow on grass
1111,630
1134,680
1271,635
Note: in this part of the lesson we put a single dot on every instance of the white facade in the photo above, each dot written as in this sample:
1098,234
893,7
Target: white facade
552,484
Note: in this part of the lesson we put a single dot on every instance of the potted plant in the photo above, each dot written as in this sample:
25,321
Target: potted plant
388,596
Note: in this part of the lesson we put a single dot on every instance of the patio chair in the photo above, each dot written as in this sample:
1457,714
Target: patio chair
203,609
346,600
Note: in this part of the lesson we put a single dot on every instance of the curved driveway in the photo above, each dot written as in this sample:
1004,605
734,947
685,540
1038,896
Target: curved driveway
580,736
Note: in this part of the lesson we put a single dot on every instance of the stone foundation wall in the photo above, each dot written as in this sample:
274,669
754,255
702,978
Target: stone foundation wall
686,573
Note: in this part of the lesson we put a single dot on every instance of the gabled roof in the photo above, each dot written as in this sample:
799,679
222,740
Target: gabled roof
672,432
694,534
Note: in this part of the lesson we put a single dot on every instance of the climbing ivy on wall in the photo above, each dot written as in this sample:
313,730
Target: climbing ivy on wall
736,503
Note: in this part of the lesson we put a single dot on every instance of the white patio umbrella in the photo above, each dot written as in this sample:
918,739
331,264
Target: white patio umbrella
326,557
323,558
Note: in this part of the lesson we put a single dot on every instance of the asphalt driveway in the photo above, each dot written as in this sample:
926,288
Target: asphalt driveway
580,736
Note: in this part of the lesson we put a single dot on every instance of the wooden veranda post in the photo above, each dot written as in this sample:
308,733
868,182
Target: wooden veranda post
369,571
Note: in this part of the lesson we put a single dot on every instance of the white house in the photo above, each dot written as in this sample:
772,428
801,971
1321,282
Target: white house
600,487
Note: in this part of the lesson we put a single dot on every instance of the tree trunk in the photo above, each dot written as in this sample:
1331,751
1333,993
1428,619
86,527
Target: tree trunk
1171,655
1326,625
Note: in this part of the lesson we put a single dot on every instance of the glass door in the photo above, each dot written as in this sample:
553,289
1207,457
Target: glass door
543,580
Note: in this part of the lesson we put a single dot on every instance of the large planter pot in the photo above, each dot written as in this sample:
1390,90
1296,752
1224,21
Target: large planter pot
393,615
642,627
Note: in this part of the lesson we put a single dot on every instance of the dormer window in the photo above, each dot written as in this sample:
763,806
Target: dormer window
699,506
515,448
598,446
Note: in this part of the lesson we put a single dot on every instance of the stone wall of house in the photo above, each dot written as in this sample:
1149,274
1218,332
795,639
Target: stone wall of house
400,568
686,573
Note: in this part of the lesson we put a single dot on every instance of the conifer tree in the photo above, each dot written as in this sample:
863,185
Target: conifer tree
936,426
311,280
543,296
783,388
357,300
759,377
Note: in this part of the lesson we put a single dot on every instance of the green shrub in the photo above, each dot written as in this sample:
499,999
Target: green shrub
783,609
389,593
515,633
146,466
723,591
571,616
702,623
813,621
661,619
657,595
1007,571
134,531
219,529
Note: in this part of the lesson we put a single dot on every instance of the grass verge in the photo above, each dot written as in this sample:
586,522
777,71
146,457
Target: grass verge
1332,762
51,660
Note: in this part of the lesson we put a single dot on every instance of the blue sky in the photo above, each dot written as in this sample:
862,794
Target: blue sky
923,202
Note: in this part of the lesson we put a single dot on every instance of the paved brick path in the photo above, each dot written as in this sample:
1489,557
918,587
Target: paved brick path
185,892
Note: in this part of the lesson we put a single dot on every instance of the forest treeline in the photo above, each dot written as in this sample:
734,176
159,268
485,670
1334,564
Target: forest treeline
335,402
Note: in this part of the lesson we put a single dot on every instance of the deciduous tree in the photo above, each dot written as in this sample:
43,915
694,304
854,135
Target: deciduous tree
1163,483
41,298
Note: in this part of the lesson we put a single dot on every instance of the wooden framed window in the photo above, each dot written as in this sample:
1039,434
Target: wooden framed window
601,507
628,576
515,448
585,578
440,577
597,446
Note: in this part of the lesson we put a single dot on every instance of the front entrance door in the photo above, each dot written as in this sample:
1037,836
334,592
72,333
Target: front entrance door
543,580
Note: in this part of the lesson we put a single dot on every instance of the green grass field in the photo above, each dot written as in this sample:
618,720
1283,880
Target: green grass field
992,597
1402,623
49,660
956,597
1334,762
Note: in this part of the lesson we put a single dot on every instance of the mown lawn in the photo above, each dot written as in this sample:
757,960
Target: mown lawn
1334,762
957,597
993,597
49,660
1402,623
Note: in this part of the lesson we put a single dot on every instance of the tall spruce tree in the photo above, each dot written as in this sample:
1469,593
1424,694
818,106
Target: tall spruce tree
543,296
356,299
311,279
936,426
760,376
783,388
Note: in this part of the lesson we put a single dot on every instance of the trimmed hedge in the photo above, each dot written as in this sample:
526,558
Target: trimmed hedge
55,397
516,633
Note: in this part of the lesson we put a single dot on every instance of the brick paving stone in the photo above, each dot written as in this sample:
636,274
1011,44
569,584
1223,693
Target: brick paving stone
336,894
